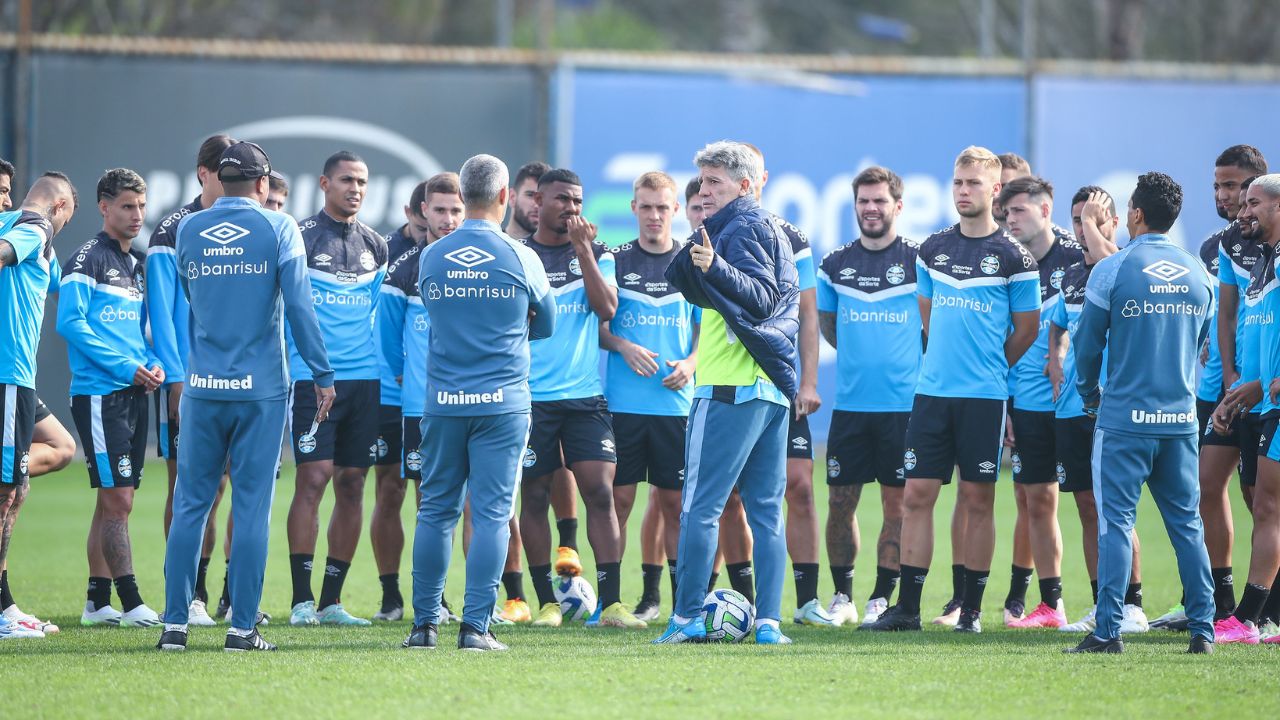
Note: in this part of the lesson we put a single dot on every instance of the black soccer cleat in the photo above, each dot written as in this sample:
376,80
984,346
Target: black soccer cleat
970,622
470,638
172,640
1178,625
246,643
1200,645
895,619
421,637
1094,644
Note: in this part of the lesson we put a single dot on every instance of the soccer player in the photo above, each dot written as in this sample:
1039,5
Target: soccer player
26,251
974,281
487,296
405,330
347,262
168,315
279,194
1094,219
1012,167
236,402
1151,295
652,343
868,312
743,277
570,415
101,316
7,171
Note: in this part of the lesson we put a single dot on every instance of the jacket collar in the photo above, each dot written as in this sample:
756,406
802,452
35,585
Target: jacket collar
717,222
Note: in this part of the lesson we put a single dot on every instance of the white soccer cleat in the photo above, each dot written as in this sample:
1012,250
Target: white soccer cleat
394,614
105,615
198,615
27,620
10,630
303,614
1133,620
1086,624
875,608
141,616
812,613
842,610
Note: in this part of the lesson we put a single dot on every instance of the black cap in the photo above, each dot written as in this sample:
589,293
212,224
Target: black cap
243,161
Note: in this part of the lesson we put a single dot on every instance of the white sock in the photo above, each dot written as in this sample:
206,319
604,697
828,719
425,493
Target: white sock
680,619
175,626
766,621
239,633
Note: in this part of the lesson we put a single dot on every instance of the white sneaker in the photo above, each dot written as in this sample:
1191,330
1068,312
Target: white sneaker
395,614
304,613
812,613
1086,624
875,608
14,613
10,630
198,615
1133,620
141,616
842,610
105,615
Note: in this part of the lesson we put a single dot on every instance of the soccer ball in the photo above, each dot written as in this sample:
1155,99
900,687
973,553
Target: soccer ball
728,615
576,597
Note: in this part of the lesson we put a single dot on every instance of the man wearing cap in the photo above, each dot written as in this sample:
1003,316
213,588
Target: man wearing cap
237,262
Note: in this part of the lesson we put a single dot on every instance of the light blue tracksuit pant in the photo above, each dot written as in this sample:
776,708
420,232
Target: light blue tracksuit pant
250,433
1169,467
727,445
480,457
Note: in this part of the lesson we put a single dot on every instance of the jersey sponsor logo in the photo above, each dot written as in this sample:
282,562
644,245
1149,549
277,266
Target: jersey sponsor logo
413,460
328,297
461,397
568,308
346,276
110,314
125,467
833,467
990,265
199,270
895,274
1026,260
630,320
1132,308
848,315
420,323
323,260
530,458
909,459
1165,271
437,291
964,303
213,382
1159,417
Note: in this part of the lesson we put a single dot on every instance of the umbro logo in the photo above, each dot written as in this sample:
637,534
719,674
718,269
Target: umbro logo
469,256
847,273
986,466
631,278
941,258
323,259
799,442
1165,271
223,233
112,273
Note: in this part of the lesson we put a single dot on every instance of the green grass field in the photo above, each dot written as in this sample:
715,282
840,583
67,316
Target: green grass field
572,672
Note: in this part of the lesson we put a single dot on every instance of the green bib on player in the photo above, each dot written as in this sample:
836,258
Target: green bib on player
722,360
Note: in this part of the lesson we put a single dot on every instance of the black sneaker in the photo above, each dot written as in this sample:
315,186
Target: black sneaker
895,619
246,643
421,637
1179,625
173,639
1015,608
970,621
1094,644
470,638
1200,645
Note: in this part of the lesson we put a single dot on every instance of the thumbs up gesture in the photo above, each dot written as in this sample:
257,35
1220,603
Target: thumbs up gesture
702,255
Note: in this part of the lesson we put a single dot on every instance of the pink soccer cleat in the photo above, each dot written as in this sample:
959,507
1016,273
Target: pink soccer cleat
1043,617
1231,630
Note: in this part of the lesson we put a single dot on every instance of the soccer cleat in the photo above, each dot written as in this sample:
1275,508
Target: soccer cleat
173,638
567,562
1267,630
252,642
395,613
894,619
224,607
1133,620
29,621
141,616
472,639
422,637
646,609
447,615
1230,630
105,615
1200,645
1086,624
304,613
970,622
1176,614
691,631
1271,639
812,613
1094,644
874,609
261,620
593,620
548,615
517,611
1182,625
10,630
335,614
770,634
617,616
842,611
198,615
950,614
1043,616
496,618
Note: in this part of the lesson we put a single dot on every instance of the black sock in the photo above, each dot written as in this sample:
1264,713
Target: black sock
806,575
1019,581
300,568
975,584
609,583
391,597
1224,591
99,592
712,581
202,576
912,586
1133,595
1051,591
842,578
1093,585
541,577
742,579
513,584
335,574
6,597
1271,608
1251,603
568,529
886,581
957,582
671,571
652,582
127,590
226,585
